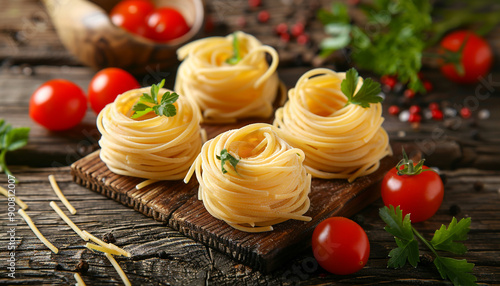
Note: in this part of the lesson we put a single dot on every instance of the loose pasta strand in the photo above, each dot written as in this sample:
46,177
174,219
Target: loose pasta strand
339,142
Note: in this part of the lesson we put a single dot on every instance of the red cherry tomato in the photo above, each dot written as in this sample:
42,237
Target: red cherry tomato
476,57
107,84
58,105
418,195
165,24
131,15
340,245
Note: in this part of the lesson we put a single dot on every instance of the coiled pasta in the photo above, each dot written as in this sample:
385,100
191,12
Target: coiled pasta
227,92
269,184
151,147
339,141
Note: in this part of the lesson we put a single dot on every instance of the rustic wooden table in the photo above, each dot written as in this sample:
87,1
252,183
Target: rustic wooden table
466,151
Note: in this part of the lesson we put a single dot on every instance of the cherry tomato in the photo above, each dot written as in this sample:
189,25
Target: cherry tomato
131,15
58,104
340,245
419,195
165,24
107,84
476,57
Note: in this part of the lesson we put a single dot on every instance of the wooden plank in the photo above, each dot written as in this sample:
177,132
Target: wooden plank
177,204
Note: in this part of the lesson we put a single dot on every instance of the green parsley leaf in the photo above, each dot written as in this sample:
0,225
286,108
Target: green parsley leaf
225,156
397,225
11,139
368,93
457,271
402,230
445,238
406,250
236,58
149,103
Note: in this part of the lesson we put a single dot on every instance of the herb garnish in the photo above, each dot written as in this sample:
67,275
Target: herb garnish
11,139
148,103
225,156
236,58
368,93
444,239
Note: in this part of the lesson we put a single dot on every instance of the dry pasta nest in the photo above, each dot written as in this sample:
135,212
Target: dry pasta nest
268,185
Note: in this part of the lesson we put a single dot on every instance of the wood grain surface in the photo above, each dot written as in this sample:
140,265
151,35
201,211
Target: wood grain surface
164,256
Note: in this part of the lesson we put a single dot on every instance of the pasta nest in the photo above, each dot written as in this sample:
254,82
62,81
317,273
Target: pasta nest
151,147
269,184
339,141
226,92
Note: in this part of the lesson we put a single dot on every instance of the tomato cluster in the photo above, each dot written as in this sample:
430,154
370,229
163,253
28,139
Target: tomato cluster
60,104
141,17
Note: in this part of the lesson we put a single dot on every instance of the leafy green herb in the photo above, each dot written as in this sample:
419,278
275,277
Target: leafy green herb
368,93
148,103
11,139
225,156
395,34
391,42
236,58
445,239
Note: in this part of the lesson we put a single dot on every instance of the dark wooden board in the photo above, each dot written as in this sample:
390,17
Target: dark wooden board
176,204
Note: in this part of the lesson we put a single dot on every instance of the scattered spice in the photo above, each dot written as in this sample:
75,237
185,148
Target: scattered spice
82,266
426,259
465,112
454,210
263,16
108,238
478,186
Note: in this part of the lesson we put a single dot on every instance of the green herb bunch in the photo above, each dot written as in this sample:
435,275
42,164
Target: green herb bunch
445,239
11,139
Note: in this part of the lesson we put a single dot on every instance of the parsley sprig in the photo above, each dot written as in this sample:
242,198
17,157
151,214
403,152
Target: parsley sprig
11,139
226,157
148,103
444,239
236,58
368,93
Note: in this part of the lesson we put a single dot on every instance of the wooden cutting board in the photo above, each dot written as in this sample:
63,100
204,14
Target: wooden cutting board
176,204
